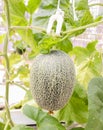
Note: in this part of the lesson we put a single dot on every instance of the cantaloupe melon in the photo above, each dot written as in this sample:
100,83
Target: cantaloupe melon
52,78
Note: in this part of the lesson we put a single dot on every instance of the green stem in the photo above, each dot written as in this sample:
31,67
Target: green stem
7,67
7,124
96,4
102,62
22,87
83,27
68,33
8,114
27,27
5,51
7,14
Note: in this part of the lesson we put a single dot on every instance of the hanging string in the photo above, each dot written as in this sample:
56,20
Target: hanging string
74,12
58,6
59,18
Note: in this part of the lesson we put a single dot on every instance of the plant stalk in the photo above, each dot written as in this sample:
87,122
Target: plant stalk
83,27
22,87
27,27
5,51
96,4
68,33
102,62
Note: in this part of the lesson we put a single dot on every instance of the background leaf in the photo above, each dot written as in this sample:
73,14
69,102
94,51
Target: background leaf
88,62
48,8
17,7
65,45
81,4
17,12
2,126
43,119
95,99
32,6
22,127
76,108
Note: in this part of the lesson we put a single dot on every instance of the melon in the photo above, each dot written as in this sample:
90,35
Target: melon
52,79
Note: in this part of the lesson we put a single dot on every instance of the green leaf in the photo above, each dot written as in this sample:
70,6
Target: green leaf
45,51
32,5
43,119
2,126
47,43
17,8
14,59
69,18
89,69
81,5
80,54
18,21
65,45
17,12
87,18
88,62
47,9
22,127
95,106
99,18
28,38
76,108
92,46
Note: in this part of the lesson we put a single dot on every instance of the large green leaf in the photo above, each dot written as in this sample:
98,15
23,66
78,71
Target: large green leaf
95,106
44,120
46,43
76,108
48,8
87,18
17,7
80,54
90,68
88,62
22,127
28,38
32,5
65,45
17,12
2,126
81,5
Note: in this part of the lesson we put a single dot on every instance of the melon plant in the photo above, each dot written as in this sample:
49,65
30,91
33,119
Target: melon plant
52,79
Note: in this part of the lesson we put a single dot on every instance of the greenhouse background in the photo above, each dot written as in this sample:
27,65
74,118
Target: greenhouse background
18,94
90,34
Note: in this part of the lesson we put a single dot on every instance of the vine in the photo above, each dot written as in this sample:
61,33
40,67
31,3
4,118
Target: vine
5,51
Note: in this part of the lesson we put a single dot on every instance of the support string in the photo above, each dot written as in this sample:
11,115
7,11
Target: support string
58,6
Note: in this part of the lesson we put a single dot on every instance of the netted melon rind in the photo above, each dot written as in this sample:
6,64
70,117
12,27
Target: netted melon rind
52,78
